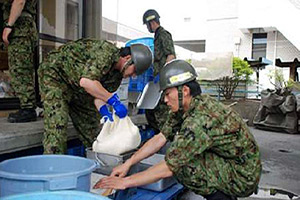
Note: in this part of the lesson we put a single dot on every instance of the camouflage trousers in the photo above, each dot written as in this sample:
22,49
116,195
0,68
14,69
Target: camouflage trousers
60,102
21,69
209,173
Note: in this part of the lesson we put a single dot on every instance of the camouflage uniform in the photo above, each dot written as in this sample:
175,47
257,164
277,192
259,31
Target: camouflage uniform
163,46
212,150
23,40
62,95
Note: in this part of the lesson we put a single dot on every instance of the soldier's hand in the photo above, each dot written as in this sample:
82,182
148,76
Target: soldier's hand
105,113
121,110
5,35
111,182
121,170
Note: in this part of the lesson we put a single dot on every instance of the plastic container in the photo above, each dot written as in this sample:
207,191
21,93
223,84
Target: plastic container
160,185
141,194
45,173
137,84
148,41
106,161
76,151
146,134
58,195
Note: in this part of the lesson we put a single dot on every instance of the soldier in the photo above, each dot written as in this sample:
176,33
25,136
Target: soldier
78,75
163,52
212,151
20,35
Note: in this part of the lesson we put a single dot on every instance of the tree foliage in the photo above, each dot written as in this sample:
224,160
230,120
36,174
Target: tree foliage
241,73
282,86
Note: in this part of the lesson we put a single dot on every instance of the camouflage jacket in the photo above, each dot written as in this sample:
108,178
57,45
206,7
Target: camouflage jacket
86,58
25,25
212,149
163,46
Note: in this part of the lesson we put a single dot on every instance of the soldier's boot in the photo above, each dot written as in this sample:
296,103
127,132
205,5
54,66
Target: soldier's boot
22,115
219,196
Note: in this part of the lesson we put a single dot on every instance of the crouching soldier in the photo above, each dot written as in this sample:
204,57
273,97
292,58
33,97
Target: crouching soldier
212,151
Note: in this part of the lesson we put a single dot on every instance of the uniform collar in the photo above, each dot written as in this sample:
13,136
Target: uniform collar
193,105
157,31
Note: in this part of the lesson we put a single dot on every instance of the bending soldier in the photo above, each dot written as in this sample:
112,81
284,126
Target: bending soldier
78,75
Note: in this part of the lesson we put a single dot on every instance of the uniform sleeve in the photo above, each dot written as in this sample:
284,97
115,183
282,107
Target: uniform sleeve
100,62
186,146
170,126
167,44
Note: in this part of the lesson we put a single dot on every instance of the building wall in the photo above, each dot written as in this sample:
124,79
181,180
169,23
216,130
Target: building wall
221,25
230,29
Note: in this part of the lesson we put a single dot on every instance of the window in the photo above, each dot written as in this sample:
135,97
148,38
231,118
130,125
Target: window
259,45
60,22
72,21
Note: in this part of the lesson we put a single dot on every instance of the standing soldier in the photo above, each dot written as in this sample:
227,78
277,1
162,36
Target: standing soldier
78,75
20,35
212,151
163,52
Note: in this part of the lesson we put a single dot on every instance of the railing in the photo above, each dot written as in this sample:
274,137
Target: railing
241,92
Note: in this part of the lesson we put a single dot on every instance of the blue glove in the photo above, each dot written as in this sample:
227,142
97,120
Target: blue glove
121,110
156,79
105,113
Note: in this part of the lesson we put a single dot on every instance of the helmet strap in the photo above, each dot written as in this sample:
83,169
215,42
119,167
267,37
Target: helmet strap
126,65
149,27
180,100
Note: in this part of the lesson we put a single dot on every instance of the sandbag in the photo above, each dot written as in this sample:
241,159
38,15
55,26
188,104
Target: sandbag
117,137
277,112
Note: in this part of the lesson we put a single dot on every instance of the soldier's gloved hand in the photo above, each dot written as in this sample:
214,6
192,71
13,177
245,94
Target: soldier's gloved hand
105,113
121,110
156,79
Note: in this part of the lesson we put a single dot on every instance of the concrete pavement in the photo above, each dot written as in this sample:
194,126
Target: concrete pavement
280,154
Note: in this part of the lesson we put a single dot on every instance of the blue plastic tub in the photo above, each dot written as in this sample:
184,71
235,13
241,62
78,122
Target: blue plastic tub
58,195
148,41
45,173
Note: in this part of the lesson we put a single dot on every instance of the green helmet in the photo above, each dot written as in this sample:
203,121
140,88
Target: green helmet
141,56
150,15
176,73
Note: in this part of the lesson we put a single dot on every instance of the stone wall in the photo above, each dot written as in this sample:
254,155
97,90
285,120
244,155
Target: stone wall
245,107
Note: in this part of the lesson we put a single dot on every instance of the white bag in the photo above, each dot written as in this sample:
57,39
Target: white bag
117,137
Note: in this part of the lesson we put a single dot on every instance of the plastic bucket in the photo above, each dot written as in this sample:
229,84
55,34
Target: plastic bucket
45,173
59,195
148,41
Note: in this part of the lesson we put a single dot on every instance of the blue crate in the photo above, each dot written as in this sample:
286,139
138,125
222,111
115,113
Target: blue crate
146,134
142,194
76,151
137,84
